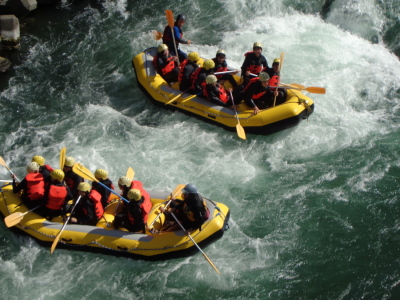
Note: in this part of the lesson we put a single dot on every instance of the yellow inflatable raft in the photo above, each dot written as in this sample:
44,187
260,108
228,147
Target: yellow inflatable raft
296,108
119,242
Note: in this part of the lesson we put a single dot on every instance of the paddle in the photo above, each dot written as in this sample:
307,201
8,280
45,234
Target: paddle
82,171
16,217
171,23
63,153
156,35
311,89
53,246
282,56
226,72
174,194
3,163
215,268
130,173
176,97
239,128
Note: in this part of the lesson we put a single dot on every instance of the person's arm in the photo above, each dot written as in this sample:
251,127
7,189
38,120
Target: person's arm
178,38
20,186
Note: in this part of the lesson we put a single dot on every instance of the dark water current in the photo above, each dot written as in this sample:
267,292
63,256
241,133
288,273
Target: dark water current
315,210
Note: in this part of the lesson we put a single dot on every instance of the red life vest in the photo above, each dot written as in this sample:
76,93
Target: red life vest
222,94
57,196
255,69
194,76
182,67
220,69
252,81
167,35
95,197
273,82
35,186
47,167
136,184
168,68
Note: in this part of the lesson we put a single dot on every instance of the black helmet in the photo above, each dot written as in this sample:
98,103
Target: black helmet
180,17
190,188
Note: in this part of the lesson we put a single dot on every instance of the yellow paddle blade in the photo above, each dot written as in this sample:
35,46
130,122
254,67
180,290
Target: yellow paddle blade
63,153
13,219
53,246
2,162
130,173
316,90
240,131
282,57
173,99
82,171
170,18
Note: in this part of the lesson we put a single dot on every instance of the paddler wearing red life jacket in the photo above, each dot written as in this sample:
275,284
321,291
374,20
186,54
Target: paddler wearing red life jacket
57,196
216,93
178,35
89,209
134,216
102,176
222,66
44,169
254,63
166,64
71,179
198,77
33,186
187,67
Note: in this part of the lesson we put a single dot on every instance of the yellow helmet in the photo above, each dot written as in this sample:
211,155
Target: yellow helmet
208,64
84,187
162,47
38,159
69,161
134,194
211,79
101,173
277,61
57,174
124,181
257,45
220,52
32,167
193,57
263,76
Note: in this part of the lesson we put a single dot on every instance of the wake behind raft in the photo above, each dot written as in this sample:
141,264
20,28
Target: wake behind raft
104,238
296,108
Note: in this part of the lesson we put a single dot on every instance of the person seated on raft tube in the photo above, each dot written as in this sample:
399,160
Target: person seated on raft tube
134,216
166,64
198,77
191,211
178,35
33,186
274,71
44,169
254,63
259,95
71,179
89,209
188,66
125,184
216,93
56,196
222,66
102,176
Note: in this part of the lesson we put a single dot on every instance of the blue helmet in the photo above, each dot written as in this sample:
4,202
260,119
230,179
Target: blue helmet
190,188
180,17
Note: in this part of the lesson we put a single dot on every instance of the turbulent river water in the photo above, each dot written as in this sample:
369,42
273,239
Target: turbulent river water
315,209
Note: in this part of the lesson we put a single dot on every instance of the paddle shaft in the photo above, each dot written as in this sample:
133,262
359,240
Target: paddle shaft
170,20
176,97
53,246
198,247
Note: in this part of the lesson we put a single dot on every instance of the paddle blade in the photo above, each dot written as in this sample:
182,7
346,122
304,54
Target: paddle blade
173,99
130,173
53,246
178,190
63,153
13,219
282,57
170,18
240,131
156,35
2,162
316,90
82,171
